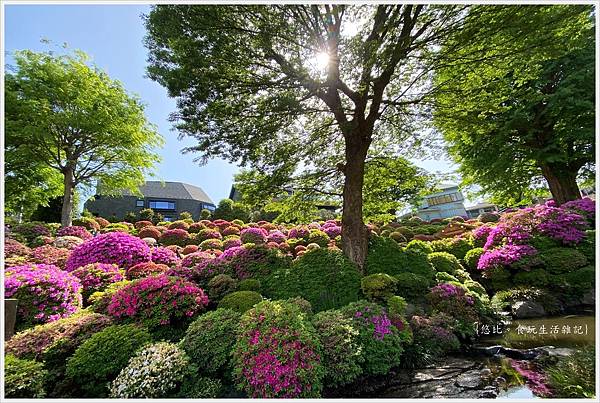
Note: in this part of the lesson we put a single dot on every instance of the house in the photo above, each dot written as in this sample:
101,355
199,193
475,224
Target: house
480,208
167,198
448,202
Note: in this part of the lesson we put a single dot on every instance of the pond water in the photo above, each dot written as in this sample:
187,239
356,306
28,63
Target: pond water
517,392
562,331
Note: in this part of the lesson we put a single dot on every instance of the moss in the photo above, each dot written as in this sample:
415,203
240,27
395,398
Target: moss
378,287
443,261
240,301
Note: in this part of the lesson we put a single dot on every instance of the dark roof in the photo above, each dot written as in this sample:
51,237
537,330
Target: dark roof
173,190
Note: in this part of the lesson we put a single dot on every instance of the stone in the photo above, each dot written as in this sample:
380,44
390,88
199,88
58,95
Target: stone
527,309
557,351
149,241
470,379
485,372
589,298
489,392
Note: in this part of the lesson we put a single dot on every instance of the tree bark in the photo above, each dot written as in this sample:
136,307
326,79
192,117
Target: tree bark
67,207
354,231
562,182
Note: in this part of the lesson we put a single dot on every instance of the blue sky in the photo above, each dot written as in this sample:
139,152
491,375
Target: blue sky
112,35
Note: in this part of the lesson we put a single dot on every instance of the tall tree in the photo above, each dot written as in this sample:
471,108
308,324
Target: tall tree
71,117
515,124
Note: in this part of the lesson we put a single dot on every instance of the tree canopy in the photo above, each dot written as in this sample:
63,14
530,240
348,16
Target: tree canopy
69,118
520,125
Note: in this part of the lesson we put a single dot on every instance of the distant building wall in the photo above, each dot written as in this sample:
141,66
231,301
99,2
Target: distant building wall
105,206
444,204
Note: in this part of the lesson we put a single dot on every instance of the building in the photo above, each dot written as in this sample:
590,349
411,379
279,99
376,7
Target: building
448,202
235,195
480,208
167,198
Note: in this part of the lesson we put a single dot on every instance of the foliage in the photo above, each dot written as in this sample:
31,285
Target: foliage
277,353
209,341
45,292
502,299
101,357
161,255
419,246
249,284
240,301
342,354
562,260
386,256
97,276
574,376
118,248
73,230
472,258
201,387
412,286
433,337
23,378
145,269
154,372
49,254
455,246
229,210
378,287
444,262
219,286
176,236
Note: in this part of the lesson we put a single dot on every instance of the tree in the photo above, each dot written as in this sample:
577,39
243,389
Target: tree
517,124
74,119
229,210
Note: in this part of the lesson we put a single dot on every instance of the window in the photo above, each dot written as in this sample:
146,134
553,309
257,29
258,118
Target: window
139,203
209,207
449,198
162,205
167,219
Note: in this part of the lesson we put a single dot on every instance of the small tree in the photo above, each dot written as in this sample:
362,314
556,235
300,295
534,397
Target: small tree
205,214
74,119
185,215
146,214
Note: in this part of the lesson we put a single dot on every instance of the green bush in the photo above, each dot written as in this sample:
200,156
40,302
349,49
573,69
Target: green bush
249,284
462,275
420,246
588,246
386,256
443,261
475,288
201,387
455,246
101,357
574,376
497,278
472,258
23,378
562,260
210,339
303,305
412,286
341,353
397,236
575,283
319,237
502,300
240,301
219,286
396,305
378,287
541,242
537,277
443,277
325,278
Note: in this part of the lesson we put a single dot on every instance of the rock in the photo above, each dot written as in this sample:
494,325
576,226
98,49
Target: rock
527,309
470,379
589,298
489,392
485,372
149,241
556,351
500,380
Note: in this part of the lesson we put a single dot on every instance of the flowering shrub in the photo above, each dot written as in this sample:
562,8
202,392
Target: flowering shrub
253,235
342,353
15,248
380,341
196,227
73,230
209,340
154,372
49,254
211,244
208,233
100,300
433,336
102,221
31,230
45,292
67,242
504,256
386,256
149,232
158,300
97,276
231,242
164,256
122,249
42,240
179,224
535,379
195,258
332,230
585,207
300,232
145,269
88,223
189,249
277,353
453,300
178,236
231,230
142,224
276,236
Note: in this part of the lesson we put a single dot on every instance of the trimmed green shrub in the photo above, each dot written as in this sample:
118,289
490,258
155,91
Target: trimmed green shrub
588,246
249,284
475,288
303,305
396,305
325,278
23,378
537,278
472,258
412,286
378,287
541,242
210,339
386,256
219,286
503,299
319,237
397,236
576,282
101,357
341,353
462,275
154,372
240,301
443,261
455,246
562,260
443,277
201,387
420,246
497,278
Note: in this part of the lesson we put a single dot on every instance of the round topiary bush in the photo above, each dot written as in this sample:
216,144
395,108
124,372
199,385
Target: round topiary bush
67,242
23,378
472,258
240,301
325,278
253,235
420,246
211,244
221,285
154,372
145,269
412,286
49,254
277,353
179,224
562,260
101,357
158,300
88,223
73,230
162,255
386,256
319,237
13,247
149,232
45,293
378,287
445,262
97,276
249,284
342,355
178,236
119,248
455,246
209,341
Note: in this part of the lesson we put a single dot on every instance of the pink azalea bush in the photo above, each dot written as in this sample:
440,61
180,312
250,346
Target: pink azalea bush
74,230
164,256
97,276
45,292
145,269
49,254
158,300
253,235
15,248
177,236
119,248
277,354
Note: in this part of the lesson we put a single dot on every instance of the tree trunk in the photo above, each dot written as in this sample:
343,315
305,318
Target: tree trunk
562,182
67,207
354,231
